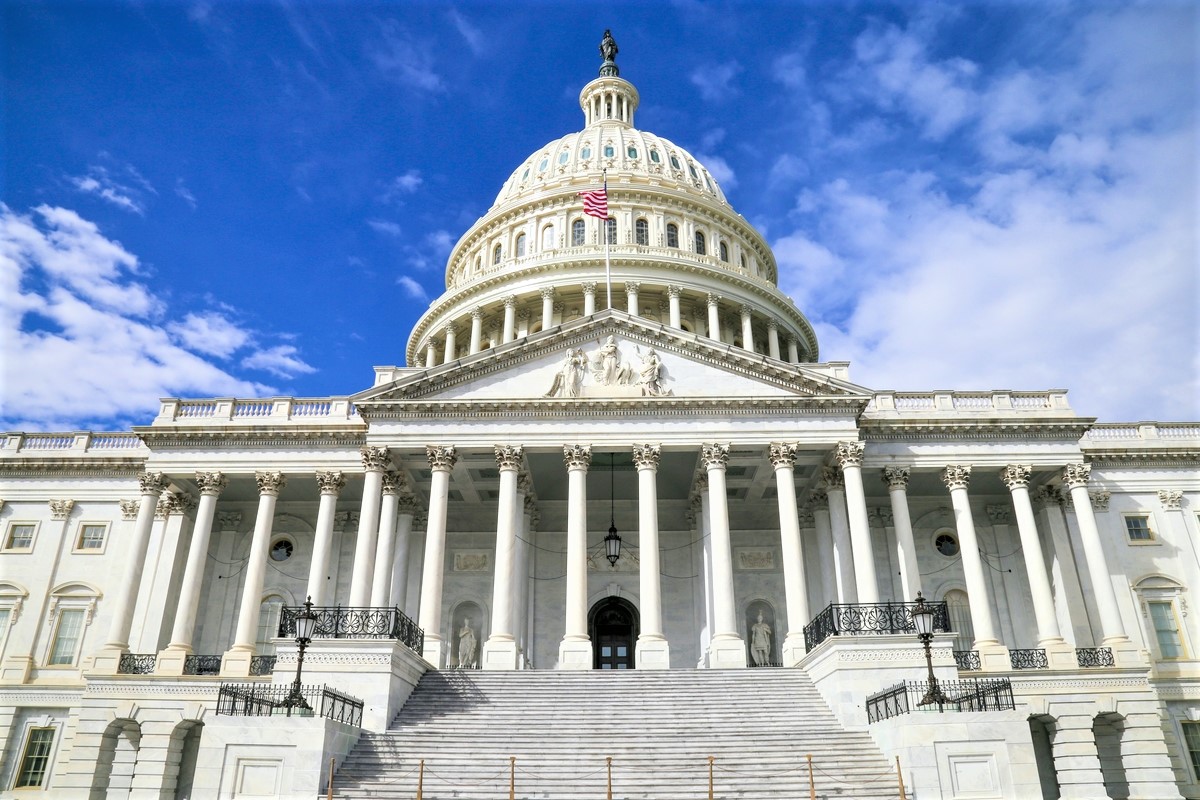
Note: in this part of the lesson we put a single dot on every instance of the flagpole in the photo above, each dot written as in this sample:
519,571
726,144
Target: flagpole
604,233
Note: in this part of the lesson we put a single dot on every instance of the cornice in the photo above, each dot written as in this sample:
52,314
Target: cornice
608,408
334,436
41,466
1151,457
1005,428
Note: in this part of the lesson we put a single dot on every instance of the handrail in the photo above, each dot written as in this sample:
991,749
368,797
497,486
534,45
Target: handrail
854,619
339,622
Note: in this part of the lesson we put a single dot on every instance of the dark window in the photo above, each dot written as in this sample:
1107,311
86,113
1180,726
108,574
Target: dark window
700,249
610,231
672,235
641,231
577,233
496,255
35,763
724,251
946,544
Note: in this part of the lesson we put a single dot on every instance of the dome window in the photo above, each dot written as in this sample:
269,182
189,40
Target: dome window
610,231
521,245
609,152
525,174
655,157
563,156
585,153
724,249
478,263
496,255
542,166
548,237
631,152
700,244
641,232
672,235
675,162
708,183
577,233
692,169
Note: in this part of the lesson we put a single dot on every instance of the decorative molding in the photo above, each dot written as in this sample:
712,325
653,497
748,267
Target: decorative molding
1171,499
674,291
407,504
1048,495
713,299
647,456
228,520
881,516
375,458
211,483
754,559
999,515
346,520
805,517
1099,498
524,484
1076,475
509,457
154,483
833,479
173,503
782,454
393,483
632,287
577,456
952,429
1016,476
714,456
589,287
849,454
472,561
270,483
818,498
957,476
331,482
61,509
441,457
896,477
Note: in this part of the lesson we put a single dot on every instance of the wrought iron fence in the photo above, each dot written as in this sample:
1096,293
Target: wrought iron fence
845,619
978,694
1095,657
765,664
1028,659
137,663
967,660
263,700
202,665
337,622
262,665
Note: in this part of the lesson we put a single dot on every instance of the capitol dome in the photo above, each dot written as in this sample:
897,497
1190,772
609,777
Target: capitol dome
672,251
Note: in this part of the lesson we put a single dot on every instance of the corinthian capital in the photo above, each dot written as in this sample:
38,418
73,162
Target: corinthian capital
1171,499
129,509
589,287
211,483
331,482
1076,475
374,458
510,301
782,454
850,454
1016,476
577,456
818,498
714,456
61,509
393,482
713,299
957,476
1099,499
509,456
632,287
407,504
154,483
270,482
547,292
441,457
674,291
834,480
646,456
896,477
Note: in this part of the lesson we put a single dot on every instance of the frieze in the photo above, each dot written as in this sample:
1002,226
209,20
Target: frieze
950,429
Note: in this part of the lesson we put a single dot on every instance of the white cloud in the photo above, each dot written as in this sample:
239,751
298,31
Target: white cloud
715,81
405,60
412,288
404,184
719,168
209,333
183,192
789,70
471,34
281,361
385,227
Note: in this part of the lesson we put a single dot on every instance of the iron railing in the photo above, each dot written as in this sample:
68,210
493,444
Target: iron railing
844,619
990,694
262,665
1034,658
1095,657
967,660
137,663
264,700
202,665
337,622
765,664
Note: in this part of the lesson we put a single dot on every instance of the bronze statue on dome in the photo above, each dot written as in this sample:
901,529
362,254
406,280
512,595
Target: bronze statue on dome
608,51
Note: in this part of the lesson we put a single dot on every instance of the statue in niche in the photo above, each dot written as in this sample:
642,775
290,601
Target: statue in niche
467,644
650,377
570,374
607,368
760,642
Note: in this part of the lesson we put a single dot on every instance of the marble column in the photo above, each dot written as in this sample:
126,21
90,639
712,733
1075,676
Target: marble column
631,297
793,350
773,339
441,461
699,510
152,484
476,330
526,511
673,311
375,461
330,485
727,648
575,650
431,353
957,478
385,546
896,479
747,328
1076,476
652,650
236,661
783,459
510,320
589,298
839,524
818,502
449,334
547,307
1016,478
406,511
714,316
211,484
500,649
849,456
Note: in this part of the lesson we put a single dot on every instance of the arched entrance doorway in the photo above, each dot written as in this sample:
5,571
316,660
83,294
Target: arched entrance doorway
613,626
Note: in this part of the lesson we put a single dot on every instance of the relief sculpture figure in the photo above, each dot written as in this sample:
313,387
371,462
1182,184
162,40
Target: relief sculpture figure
650,377
607,368
570,374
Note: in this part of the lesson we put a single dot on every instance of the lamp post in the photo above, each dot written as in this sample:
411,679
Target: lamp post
612,542
922,615
306,624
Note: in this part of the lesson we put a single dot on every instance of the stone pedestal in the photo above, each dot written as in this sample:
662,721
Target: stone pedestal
993,657
727,653
1060,655
436,651
16,669
106,662
652,654
793,650
575,654
171,661
499,654
235,662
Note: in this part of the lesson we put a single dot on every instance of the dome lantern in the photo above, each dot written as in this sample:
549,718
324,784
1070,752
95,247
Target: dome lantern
609,98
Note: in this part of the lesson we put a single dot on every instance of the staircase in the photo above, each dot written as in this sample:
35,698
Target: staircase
659,727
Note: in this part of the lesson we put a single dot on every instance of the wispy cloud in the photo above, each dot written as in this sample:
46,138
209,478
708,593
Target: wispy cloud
715,81
182,191
404,59
401,185
471,34
413,289
282,361
210,333
126,190
386,227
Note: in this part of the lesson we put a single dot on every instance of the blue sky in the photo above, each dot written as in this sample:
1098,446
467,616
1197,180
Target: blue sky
245,199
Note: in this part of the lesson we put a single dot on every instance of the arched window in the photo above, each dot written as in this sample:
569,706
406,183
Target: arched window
641,232
563,156
610,231
672,235
548,237
577,233
520,245
700,244
496,255
724,251
478,263
655,157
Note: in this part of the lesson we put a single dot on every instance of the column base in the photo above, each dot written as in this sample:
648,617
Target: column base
1059,654
107,660
652,653
435,651
793,649
1125,652
500,654
727,651
17,669
235,662
993,656
171,661
575,654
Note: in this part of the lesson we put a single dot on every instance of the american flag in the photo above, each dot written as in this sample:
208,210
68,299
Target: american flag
595,203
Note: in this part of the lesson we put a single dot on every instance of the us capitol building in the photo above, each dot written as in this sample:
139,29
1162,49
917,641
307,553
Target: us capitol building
614,446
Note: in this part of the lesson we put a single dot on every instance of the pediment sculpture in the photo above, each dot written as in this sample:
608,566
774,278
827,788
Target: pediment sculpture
607,367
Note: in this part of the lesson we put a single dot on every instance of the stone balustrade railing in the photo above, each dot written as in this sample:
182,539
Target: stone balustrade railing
1053,401
1133,433
266,411
101,444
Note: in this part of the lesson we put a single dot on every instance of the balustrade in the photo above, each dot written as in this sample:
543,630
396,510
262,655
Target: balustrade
845,619
970,695
1095,657
967,660
1034,658
337,622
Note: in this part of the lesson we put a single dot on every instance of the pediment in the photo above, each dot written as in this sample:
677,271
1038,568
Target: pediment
611,356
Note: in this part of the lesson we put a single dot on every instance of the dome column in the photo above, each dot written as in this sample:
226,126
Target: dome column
747,329
793,350
589,298
451,350
547,307
714,316
773,339
673,293
476,329
631,297
431,353
510,319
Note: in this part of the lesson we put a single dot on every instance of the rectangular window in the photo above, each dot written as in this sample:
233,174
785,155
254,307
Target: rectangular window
36,760
1191,740
1137,526
1166,628
91,536
20,536
66,637
5,620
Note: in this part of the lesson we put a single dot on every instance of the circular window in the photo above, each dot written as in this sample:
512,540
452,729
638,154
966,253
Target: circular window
946,544
281,550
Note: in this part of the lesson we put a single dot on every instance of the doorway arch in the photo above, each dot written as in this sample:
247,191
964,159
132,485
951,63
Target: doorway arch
613,626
